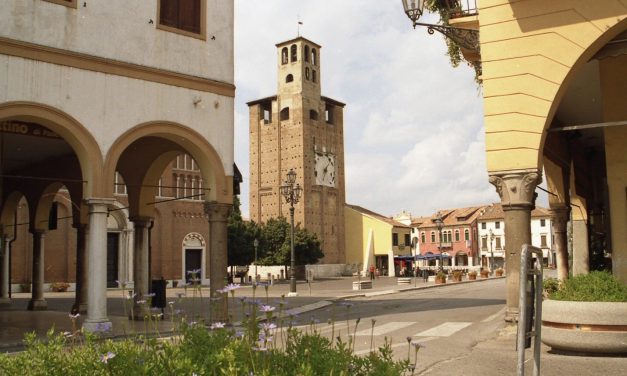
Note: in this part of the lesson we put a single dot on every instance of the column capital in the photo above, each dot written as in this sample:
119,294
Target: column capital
559,217
516,189
217,212
141,221
99,205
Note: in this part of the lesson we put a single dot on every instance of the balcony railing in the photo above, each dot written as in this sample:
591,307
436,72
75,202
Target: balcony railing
460,8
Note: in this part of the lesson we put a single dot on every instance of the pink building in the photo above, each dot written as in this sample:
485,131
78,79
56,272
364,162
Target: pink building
459,240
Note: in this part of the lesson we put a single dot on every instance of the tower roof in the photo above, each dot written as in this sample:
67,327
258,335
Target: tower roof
296,40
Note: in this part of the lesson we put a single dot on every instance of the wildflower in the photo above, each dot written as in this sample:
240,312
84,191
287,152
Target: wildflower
260,349
103,326
417,345
130,296
267,326
171,303
106,357
140,302
217,325
266,308
67,334
179,311
151,295
74,316
233,286
180,295
408,339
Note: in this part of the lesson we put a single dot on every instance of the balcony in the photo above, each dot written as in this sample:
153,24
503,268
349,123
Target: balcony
464,14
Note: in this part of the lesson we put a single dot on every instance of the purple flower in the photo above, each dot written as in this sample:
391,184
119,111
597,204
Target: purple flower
103,327
74,317
267,326
217,325
417,344
106,357
266,308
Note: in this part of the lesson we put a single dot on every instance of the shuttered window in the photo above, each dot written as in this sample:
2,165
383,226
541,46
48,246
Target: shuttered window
184,15
68,3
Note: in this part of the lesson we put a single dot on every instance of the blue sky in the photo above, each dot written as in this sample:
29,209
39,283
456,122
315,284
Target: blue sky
413,130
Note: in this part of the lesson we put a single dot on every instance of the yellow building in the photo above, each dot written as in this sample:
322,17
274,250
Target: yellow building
374,239
554,79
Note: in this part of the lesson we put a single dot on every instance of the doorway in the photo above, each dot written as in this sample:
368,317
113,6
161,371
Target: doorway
113,243
193,261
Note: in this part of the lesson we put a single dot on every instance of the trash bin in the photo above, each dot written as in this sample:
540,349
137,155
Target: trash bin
158,288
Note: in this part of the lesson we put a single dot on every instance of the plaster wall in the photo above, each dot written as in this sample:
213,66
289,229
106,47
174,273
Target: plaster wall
131,36
528,49
358,227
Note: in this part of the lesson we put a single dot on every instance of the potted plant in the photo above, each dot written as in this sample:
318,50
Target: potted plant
457,275
440,278
586,313
59,286
484,273
472,275
499,272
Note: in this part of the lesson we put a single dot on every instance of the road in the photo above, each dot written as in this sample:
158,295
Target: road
449,320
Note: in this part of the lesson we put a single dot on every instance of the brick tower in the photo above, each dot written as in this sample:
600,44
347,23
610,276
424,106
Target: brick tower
300,129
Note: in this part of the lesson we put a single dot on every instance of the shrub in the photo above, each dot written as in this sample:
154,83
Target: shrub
550,286
595,286
472,273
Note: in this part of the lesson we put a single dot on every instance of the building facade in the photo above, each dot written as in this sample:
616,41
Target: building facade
80,107
299,129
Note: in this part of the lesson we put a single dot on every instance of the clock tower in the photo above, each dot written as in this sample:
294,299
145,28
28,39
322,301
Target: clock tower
302,130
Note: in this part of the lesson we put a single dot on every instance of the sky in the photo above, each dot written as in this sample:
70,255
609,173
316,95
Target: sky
413,124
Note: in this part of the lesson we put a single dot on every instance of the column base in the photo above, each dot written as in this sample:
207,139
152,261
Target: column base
97,326
511,315
5,302
37,305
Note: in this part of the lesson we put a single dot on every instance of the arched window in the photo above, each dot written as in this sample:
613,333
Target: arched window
314,76
294,53
307,54
313,114
307,73
456,235
285,114
423,237
314,57
284,55
466,235
432,236
289,78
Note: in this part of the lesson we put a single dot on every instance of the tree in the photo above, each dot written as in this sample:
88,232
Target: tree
275,249
241,236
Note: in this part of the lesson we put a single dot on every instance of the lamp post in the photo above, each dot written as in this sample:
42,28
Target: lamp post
491,251
439,224
291,192
466,38
255,244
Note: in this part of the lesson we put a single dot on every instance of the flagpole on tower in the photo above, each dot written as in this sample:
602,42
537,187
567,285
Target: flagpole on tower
298,27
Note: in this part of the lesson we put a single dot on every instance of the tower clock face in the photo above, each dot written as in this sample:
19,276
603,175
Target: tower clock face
325,169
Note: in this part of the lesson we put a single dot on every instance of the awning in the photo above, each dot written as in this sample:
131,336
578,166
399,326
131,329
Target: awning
431,256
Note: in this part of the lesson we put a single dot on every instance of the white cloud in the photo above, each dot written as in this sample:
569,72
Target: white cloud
413,124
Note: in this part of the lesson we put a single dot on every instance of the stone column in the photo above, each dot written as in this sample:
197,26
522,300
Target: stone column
559,219
581,253
37,301
140,266
517,198
217,214
5,269
80,298
97,264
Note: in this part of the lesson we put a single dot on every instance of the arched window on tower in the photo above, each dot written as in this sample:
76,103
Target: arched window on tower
285,114
307,54
289,78
284,55
313,114
307,73
294,53
314,76
314,57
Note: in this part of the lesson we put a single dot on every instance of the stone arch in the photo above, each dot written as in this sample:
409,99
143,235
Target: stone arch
594,47
9,208
71,130
180,139
41,209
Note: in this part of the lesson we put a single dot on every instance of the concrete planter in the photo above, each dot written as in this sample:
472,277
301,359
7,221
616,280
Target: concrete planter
440,280
589,327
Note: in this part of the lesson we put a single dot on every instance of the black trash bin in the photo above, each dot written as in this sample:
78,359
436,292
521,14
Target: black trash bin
158,288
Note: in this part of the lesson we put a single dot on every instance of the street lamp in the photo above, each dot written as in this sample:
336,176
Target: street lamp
439,224
466,38
491,251
291,193
255,244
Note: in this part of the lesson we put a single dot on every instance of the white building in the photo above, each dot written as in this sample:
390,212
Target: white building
491,230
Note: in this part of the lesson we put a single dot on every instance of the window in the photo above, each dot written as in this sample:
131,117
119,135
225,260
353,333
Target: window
483,225
293,53
328,113
407,239
432,236
266,112
119,186
497,224
67,3
307,54
394,239
307,73
542,222
456,235
543,241
160,188
314,76
314,57
284,55
285,114
497,242
423,238
183,17
289,78
313,114
466,235
484,242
